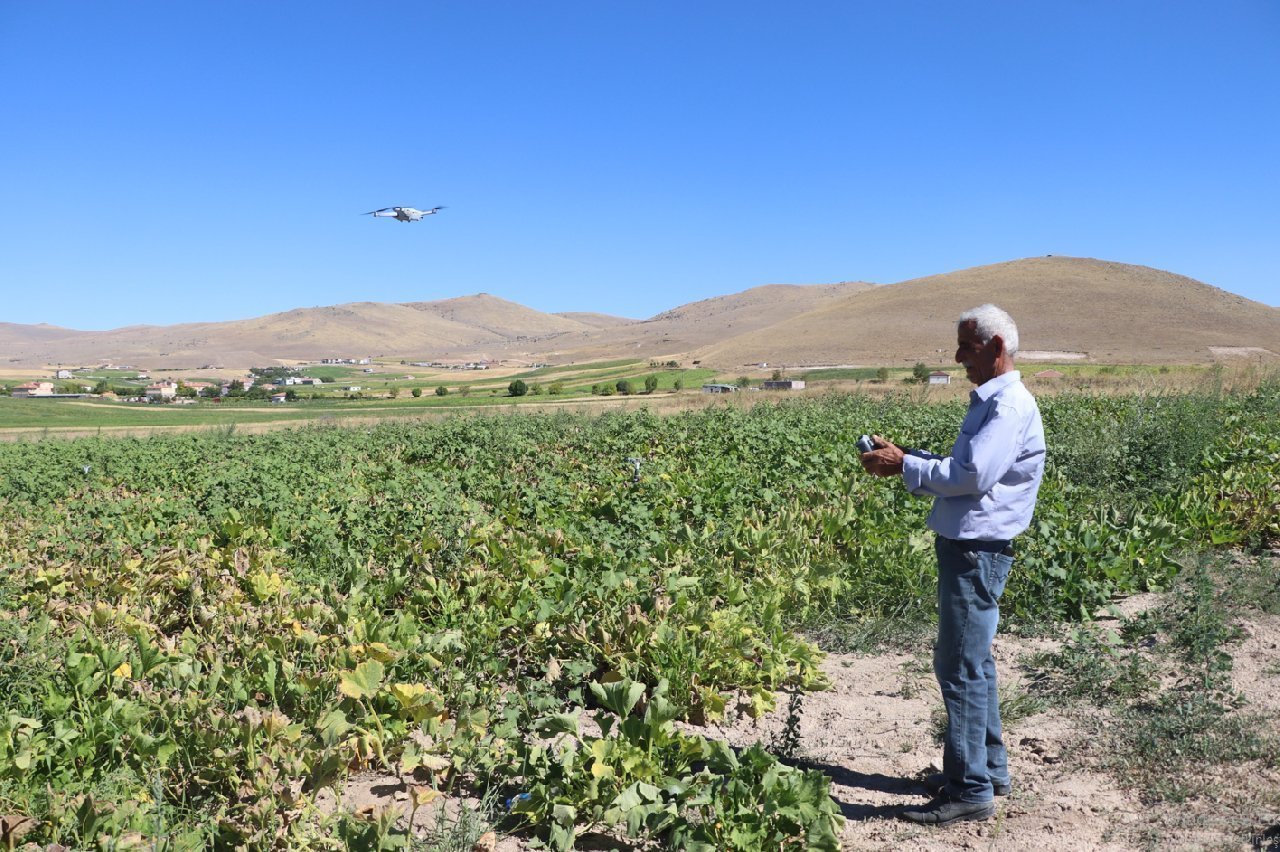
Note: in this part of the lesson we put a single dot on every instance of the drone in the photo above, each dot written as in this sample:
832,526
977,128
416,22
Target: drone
403,214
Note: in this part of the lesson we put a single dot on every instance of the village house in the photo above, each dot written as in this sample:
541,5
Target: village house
783,384
162,391
938,377
31,389
719,388
201,388
62,374
279,397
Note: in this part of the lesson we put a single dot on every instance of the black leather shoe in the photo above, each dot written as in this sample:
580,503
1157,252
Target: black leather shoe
937,782
942,811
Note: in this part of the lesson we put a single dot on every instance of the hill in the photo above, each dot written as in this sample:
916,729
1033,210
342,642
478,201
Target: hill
1070,307
1095,309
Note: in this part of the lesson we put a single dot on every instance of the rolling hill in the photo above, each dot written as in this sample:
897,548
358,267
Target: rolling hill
1103,311
1097,310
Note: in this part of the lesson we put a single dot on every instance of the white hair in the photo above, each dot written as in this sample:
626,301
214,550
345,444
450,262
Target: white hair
990,321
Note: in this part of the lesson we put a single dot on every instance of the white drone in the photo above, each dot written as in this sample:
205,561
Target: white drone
403,214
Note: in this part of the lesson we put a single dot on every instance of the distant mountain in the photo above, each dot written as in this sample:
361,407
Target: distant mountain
1095,309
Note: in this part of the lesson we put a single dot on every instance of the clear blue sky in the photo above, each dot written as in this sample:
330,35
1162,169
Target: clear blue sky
181,161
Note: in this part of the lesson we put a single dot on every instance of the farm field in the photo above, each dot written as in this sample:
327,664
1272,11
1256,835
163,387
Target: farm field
588,386
565,619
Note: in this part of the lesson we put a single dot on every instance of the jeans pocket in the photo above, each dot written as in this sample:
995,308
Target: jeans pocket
995,572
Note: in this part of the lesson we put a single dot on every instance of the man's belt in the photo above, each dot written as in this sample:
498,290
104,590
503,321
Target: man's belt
977,545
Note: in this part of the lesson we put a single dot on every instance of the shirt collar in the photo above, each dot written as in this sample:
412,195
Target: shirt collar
990,388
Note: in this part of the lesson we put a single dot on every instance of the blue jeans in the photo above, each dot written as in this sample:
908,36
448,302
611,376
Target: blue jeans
970,583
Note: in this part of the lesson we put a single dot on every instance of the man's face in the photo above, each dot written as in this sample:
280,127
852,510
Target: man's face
979,359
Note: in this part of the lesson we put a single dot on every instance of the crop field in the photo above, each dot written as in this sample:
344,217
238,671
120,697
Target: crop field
202,633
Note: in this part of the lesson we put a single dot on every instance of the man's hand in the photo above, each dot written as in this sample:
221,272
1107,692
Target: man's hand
884,460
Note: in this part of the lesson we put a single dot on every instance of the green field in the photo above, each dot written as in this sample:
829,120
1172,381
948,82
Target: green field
40,414
203,632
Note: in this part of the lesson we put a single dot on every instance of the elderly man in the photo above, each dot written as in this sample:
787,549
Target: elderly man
983,494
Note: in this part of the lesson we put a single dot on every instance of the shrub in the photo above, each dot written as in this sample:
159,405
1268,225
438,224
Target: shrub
517,388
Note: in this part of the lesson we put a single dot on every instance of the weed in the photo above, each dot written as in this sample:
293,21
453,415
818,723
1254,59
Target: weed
910,674
902,631
1163,735
461,830
786,744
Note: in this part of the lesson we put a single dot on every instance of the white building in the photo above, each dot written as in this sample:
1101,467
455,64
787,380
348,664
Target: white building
162,391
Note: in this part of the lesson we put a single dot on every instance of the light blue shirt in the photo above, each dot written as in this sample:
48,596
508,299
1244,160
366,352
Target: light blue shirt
986,488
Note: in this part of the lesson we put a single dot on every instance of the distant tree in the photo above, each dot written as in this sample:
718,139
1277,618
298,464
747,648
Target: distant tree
256,392
555,388
101,387
465,390
441,390
607,390
291,395
185,391
235,388
678,385
324,380
673,364
743,382
535,390
920,372
394,392
417,392
777,376
623,387
517,388
595,390
650,384
882,375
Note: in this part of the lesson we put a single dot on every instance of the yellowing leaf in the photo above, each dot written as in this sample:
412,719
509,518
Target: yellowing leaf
380,652
434,762
124,670
420,794
408,693
363,682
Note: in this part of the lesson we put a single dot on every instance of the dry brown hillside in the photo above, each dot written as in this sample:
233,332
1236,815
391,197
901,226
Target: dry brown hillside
594,319
419,329
1110,312
689,327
